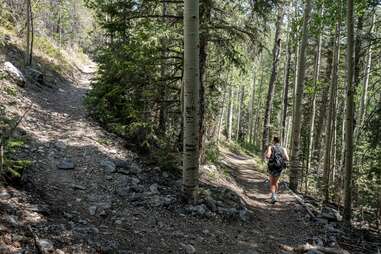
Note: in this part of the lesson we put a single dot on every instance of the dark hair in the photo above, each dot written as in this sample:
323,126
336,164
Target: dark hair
276,140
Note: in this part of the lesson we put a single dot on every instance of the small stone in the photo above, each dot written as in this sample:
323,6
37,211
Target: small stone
189,249
78,187
58,251
92,210
4,195
12,220
165,174
108,166
45,246
60,145
154,188
109,178
66,165
205,232
118,222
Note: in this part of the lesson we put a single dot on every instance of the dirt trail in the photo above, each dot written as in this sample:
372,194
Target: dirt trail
93,210
284,222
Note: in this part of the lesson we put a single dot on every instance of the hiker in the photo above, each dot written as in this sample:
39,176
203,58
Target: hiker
277,157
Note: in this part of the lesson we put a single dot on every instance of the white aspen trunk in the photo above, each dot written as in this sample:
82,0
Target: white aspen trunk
349,115
332,109
191,99
297,121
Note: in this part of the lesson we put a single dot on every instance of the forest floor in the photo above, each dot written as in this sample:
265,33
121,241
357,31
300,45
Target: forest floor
86,193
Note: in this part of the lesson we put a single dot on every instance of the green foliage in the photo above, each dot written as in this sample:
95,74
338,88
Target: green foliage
212,153
12,167
12,91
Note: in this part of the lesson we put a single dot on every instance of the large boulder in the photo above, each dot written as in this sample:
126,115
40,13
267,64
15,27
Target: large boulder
14,73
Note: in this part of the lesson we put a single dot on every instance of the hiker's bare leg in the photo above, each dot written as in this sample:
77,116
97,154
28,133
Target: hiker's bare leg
274,184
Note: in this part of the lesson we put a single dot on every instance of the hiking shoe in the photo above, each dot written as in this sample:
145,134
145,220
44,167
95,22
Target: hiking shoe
273,199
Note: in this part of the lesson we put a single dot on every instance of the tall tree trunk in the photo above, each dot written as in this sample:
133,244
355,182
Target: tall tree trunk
28,25
312,124
274,72
256,131
349,115
332,110
191,99
297,121
205,15
241,94
229,121
31,35
221,117
163,91
286,84
364,96
251,110
323,109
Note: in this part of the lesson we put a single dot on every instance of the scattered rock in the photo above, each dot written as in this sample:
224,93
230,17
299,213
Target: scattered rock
36,76
14,73
189,249
4,195
78,187
66,164
198,209
108,166
330,214
60,145
45,246
92,210
154,188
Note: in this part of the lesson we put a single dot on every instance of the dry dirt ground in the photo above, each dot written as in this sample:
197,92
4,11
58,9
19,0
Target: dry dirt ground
90,209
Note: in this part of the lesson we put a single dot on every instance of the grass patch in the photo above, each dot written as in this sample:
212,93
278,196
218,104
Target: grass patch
11,91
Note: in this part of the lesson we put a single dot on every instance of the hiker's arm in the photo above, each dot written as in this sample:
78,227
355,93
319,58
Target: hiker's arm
268,152
286,155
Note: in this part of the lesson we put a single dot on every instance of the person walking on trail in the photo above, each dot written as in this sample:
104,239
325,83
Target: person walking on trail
277,157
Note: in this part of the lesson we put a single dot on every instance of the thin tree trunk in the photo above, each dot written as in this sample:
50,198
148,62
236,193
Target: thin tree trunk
32,34
364,97
163,92
251,110
286,84
332,109
296,126
313,116
191,99
256,131
27,48
274,72
230,115
221,118
349,115
240,103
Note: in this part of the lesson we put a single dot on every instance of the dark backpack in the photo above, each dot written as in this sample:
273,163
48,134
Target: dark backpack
276,161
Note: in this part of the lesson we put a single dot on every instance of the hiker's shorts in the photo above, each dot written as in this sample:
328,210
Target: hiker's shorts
275,172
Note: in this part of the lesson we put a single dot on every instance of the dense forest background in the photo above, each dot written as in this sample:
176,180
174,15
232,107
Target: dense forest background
265,68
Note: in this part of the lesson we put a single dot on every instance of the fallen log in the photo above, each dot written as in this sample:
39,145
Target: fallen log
307,247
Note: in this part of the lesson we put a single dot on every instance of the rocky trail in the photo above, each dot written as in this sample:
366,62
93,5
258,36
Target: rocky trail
86,193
